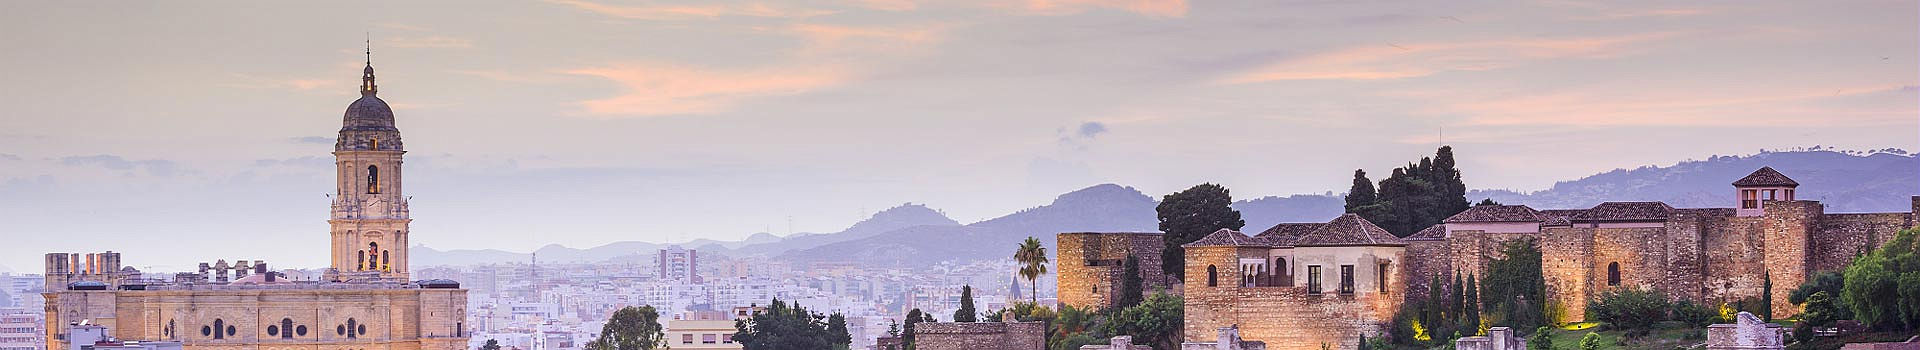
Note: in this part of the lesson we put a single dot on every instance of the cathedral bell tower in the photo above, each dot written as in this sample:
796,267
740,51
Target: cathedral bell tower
370,215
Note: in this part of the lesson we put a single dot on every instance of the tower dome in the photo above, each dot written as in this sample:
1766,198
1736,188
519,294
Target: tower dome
367,124
368,113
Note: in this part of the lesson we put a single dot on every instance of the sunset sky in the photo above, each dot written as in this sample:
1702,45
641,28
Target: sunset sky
180,132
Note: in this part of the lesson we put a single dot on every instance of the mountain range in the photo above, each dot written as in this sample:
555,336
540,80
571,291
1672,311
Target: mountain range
913,235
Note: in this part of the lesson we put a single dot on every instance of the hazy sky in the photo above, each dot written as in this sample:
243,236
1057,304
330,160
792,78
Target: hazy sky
192,131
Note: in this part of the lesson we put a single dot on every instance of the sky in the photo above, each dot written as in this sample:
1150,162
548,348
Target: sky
182,132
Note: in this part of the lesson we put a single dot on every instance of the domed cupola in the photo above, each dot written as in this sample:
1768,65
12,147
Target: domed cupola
368,122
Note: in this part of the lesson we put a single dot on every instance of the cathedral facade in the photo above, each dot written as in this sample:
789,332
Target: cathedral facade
364,301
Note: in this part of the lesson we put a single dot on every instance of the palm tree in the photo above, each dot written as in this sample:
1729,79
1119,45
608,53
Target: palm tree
1033,261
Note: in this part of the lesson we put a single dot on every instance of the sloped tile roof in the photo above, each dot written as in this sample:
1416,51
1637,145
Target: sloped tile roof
1766,176
1431,233
1284,234
1626,211
1347,230
1226,238
1497,213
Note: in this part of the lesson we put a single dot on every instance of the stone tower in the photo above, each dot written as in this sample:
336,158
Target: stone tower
370,215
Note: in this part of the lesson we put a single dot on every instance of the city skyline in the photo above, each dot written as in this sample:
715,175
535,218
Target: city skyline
821,113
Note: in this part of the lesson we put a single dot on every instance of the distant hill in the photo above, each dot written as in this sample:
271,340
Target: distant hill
1104,207
1877,182
915,235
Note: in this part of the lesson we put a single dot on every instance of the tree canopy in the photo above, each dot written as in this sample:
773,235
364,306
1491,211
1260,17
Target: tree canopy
1414,197
631,328
1189,215
792,327
1882,287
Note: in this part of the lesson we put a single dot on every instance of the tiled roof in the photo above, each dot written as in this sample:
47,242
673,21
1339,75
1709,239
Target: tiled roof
1435,232
1284,234
1349,229
1626,211
1291,229
1497,213
1226,238
1766,176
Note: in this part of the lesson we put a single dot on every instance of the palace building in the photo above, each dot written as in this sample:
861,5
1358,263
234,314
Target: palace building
1298,285
365,300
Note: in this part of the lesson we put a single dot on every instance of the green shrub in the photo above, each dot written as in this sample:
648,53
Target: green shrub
1629,309
1542,339
1693,314
1590,342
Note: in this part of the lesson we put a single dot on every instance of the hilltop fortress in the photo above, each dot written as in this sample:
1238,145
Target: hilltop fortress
365,300
1298,285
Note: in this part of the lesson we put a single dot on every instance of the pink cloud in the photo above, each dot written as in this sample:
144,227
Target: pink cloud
430,42
888,5
654,89
682,12
1777,106
1397,61
1154,8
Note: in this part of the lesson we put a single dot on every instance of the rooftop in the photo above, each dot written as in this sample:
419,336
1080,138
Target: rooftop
1766,177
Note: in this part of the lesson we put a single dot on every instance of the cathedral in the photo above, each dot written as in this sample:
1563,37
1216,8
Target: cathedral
364,301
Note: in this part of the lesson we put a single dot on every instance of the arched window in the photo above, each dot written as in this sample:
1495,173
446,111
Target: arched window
1213,276
386,260
169,330
373,179
286,325
362,262
1613,274
1280,267
219,329
351,328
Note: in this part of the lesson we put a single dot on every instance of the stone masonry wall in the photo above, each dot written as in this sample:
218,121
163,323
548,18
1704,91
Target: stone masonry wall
1686,263
1735,260
1090,266
1640,253
1425,259
1840,237
1566,260
1787,226
980,336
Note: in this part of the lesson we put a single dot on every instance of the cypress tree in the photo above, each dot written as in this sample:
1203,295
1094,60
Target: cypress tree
966,312
1459,296
1766,297
1361,194
1472,311
1132,288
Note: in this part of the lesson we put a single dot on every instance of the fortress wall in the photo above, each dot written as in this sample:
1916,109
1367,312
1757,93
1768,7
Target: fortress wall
1837,238
1567,260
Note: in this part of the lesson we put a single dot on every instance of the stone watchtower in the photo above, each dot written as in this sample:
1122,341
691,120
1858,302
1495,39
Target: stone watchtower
370,215
1764,185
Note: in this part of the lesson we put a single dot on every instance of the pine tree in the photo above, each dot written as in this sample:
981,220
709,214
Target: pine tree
1189,215
966,312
